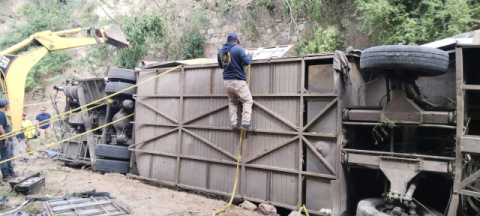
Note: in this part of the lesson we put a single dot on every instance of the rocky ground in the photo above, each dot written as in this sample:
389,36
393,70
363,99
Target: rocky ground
142,198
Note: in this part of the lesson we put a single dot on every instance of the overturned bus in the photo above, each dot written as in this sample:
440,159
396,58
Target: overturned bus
392,130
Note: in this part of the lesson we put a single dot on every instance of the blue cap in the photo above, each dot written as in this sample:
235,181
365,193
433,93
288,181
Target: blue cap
3,102
233,36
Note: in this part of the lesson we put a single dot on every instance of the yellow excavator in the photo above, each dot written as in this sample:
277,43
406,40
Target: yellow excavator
15,67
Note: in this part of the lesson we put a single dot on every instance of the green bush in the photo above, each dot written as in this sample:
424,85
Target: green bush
52,63
416,21
192,42
320,41
41,16
141,30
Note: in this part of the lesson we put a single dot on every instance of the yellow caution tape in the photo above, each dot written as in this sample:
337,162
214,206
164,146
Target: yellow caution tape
73,137
94,102
12,134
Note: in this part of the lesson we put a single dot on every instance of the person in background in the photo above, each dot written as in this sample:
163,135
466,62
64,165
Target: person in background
29,133
5,144
45,130
19,147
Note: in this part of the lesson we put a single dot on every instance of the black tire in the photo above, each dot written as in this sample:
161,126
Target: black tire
373,207
105,165
112,151
114,87
122,75
422,61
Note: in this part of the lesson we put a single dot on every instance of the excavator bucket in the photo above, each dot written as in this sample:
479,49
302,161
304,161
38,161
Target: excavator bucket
115,37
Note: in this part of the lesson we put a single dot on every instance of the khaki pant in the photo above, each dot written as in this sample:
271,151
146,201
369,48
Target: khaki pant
45,133
19,147
28,143
238,91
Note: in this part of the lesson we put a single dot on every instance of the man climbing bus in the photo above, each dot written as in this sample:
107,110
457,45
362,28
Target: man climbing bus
232,59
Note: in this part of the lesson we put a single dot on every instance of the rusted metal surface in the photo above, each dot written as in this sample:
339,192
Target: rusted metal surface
183,134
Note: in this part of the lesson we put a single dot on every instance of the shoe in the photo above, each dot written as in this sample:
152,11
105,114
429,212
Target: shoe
7,178
234,127
14,175
248,127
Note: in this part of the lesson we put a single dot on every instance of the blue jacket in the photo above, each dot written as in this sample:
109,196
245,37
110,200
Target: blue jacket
234,69
21,136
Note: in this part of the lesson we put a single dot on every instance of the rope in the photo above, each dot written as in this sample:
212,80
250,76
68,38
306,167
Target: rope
238,161
59,142
18,208
423,206
94,102
304,209
53,121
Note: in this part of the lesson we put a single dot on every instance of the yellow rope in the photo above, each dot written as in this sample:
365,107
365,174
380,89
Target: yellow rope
238,161
73,137
94,102
303,208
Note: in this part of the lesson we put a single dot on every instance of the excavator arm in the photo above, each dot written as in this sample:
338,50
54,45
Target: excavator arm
14,68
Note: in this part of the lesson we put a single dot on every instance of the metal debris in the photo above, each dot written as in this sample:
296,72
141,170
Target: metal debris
85,206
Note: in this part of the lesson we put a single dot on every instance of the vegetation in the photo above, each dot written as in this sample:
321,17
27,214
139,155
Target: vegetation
40,18
192,41
384,121
416,21
141,30
321,41
188,33
165,34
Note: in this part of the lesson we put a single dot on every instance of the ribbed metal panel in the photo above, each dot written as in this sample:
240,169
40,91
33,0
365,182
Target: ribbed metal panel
168,106
163,168
148,115
286,107
226,140
286,78
284,188
165,144
148,87
285,157
198,81
265,121
202,150
194,107
260,79
168,84
193,173
222,178
218,86
194,147
220,118
257,184
144,163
